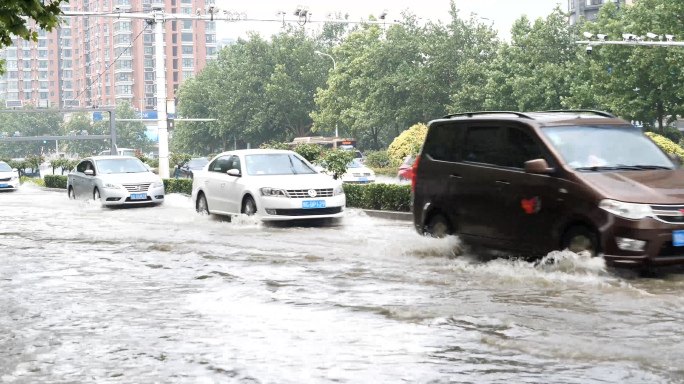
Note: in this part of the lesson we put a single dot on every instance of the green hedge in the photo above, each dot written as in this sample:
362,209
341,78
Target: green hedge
386,197
178,186
55,181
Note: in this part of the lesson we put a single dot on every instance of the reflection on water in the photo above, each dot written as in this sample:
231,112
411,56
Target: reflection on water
162,294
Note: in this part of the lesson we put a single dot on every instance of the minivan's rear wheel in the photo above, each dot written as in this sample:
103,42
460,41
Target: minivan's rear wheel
581,239
438,227
249,207
202,206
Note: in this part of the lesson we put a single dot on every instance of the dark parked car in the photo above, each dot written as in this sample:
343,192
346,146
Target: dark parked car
532,183
195,164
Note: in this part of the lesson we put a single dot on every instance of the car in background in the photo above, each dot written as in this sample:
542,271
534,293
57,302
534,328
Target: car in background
406,168
195,164
358,155
357,173
115,180
273,185
9,178
121,152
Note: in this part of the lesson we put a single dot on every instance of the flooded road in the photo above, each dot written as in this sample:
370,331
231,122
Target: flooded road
161,294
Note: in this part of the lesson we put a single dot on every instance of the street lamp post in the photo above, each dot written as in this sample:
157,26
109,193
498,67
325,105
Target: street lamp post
319,53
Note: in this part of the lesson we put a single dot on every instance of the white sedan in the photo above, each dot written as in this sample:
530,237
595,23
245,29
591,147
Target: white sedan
115,180
270,184
358,173
9,178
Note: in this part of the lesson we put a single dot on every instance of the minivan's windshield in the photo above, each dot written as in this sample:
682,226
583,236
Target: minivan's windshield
276,164
596,148
5,168
121,166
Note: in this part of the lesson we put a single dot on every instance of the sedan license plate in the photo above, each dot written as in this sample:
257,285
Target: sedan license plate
311,204
678,238
363,179
4,185
139,196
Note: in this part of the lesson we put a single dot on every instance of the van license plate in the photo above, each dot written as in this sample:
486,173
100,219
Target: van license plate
311,204
139,196
678,238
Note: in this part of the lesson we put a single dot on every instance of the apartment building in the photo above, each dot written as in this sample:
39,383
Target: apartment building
95,61
590,8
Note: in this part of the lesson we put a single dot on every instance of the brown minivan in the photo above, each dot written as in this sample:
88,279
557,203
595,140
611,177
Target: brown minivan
532,183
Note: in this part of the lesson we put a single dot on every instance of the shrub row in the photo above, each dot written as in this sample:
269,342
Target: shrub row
386,197
178,186
35,181
55,181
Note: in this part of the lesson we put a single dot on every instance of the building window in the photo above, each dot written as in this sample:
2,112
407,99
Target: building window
187,24
43,95
187,49
151,101
149,76
211,38
45,84
149,63
27,95
188,75
175,63
174,38
211,51
210,25
27,85
108,90
175,76
186,37
186,10
149,88
187,63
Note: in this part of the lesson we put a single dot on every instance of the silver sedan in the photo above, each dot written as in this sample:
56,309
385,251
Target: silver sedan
115,180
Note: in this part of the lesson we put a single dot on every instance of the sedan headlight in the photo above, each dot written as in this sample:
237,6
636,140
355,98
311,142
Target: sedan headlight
273,192
14,178
338,190
111,186
158,184
627,210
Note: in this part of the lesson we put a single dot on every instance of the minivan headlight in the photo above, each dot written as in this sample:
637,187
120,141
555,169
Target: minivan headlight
627,210
338,190
273,192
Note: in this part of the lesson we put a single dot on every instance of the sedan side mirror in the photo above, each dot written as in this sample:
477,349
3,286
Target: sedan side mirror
89,172
538,167
234,172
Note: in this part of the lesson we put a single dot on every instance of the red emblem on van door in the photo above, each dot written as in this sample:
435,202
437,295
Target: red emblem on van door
531,206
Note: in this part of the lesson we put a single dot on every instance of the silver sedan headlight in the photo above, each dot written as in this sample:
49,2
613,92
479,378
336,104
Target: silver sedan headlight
14,178
158,184
273,192
339,190
627,210
110,186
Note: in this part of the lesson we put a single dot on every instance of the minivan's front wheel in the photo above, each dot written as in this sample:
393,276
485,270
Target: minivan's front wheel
581,239
438,227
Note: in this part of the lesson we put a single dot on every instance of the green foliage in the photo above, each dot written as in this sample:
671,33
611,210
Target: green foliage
273,144
667,145
335,162
671,133
379,159
44,13
57,163
179,159
154,163
388,197
34,162
29,124
31,180
55,181
408,143
183,186
69,165
311,152
387,171
20,166
130,134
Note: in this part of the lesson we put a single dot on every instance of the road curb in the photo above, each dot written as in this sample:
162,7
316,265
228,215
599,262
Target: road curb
53,189
389,215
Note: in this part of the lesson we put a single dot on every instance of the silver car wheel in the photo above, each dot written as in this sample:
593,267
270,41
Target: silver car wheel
96,194
72,194
249,207
202,206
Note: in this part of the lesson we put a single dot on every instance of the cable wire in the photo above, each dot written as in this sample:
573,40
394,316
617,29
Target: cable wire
147,24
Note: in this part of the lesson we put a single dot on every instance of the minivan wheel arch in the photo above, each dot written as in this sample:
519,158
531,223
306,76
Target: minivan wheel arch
431,214
576,226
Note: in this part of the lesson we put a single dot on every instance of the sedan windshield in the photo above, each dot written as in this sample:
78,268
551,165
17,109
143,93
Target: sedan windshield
355,164
121,166
595,148
277,164
5,168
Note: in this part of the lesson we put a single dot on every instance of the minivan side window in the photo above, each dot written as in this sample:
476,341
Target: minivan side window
520,147
82,166
443,142
483,145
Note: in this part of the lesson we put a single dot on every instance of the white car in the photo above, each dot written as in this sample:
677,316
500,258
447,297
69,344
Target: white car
9,178
271,184
357,173
115,180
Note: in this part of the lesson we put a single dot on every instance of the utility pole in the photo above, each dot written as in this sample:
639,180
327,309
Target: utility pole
162,128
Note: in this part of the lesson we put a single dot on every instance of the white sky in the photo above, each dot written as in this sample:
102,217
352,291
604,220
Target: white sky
502,12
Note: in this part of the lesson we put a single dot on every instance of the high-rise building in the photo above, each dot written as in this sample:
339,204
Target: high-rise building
100,61
590,8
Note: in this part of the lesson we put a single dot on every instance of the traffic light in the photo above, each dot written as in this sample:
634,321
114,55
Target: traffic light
44,141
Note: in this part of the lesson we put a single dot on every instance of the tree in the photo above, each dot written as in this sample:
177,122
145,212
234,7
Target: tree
57,163
41,15
78,125
28,124
130,134
33,162
636,83
335,162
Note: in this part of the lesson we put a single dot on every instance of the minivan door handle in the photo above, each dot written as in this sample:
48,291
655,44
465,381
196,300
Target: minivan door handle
503,182
455,176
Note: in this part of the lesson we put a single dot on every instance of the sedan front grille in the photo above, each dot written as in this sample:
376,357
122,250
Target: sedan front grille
308,212
137,187
304,193
7,179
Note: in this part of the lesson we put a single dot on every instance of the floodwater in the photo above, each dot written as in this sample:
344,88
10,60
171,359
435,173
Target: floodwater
161,294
